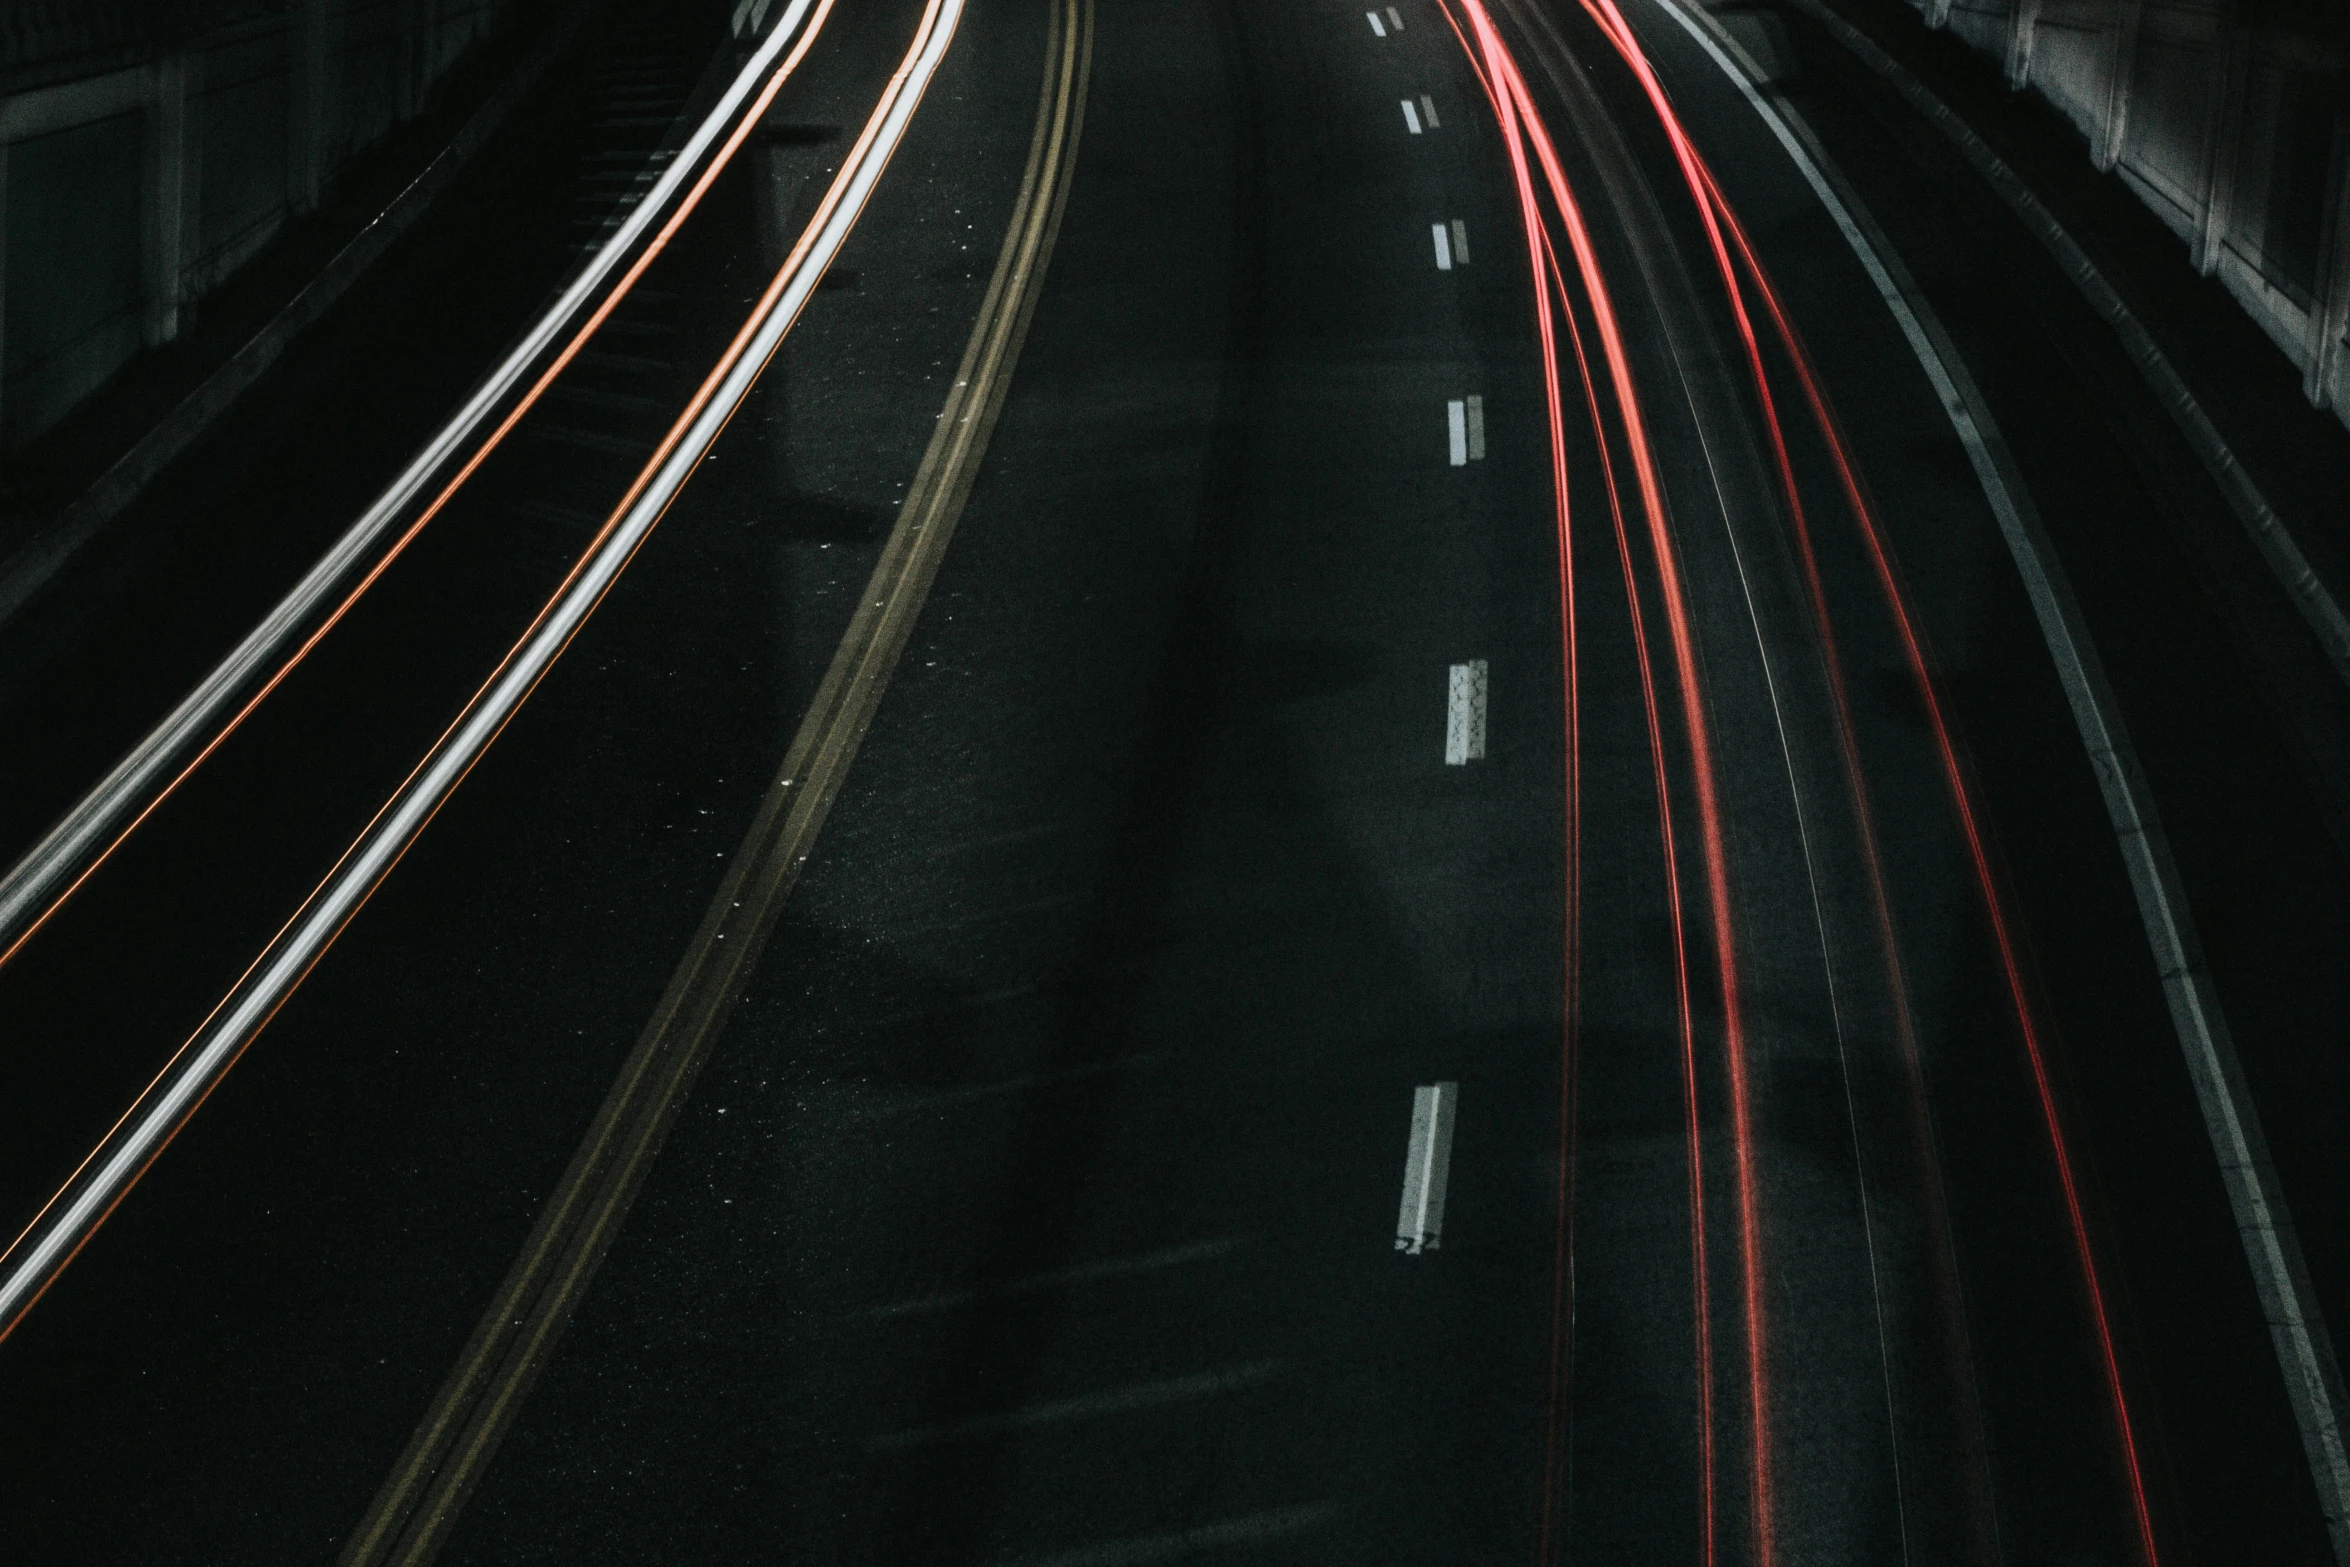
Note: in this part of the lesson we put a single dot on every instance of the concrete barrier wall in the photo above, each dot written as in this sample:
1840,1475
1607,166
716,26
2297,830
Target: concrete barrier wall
2229,119
149,149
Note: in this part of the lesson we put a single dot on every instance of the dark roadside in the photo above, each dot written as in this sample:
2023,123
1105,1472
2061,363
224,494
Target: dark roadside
2240,721
60,465
113,637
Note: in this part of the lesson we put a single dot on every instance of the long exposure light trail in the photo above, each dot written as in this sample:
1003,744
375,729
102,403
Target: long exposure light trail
1537,251
53,870
1961,789
1941,1244
1713,211
1717,213
1541,263
1682,639
1693,1137
1521,124
75,1212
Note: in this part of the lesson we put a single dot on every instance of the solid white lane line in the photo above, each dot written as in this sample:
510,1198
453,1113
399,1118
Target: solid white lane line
1443,247
1086,1406
1378,28
1476,429
1411,117
1428,112
1456,431
1464,714
1419,1225
1460,242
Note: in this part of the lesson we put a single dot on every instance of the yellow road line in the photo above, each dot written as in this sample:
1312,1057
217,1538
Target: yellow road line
412,1514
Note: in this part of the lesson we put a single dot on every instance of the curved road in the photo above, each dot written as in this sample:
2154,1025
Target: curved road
1348,760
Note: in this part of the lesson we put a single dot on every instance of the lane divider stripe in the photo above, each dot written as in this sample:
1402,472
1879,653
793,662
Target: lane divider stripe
1464,713
1427,1168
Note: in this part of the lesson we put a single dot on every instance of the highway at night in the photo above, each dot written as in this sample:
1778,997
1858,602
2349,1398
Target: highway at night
1087,782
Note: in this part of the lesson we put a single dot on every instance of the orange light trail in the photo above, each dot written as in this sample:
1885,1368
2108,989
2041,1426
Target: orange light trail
1561,1348
1562,1265
555,367
1692,1128
1682,639
1514,111
844,181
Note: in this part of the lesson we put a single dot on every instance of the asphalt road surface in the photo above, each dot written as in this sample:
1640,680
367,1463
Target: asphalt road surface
1349,759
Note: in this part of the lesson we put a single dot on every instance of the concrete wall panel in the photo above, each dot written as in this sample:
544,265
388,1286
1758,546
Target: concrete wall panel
2174,88
76,284
1984,26
366,97
242,121
207,122
2069,66
2234,126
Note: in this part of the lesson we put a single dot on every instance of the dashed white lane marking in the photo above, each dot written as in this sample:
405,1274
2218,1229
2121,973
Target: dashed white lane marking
1378,28
1394,21
1443,246
1087,1406
1476,429
1411,117
1460,242
1456,431
1427,1161
1464,714
1428,112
